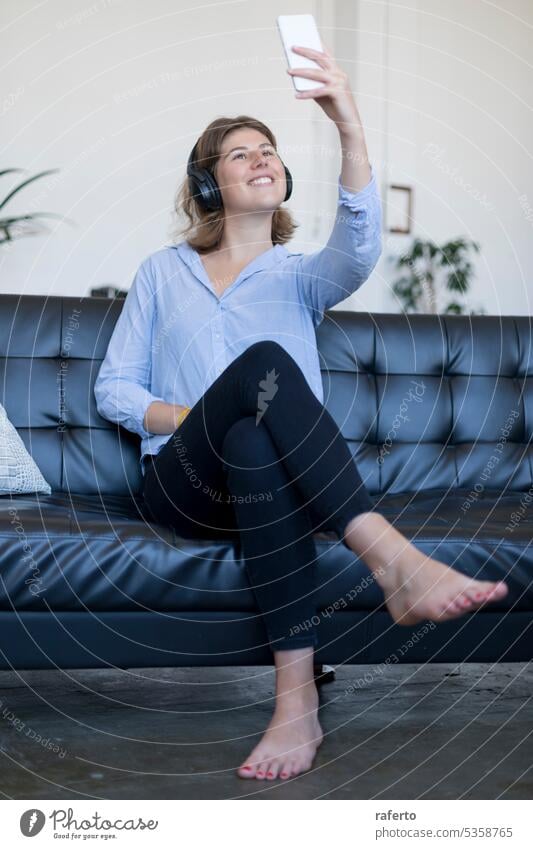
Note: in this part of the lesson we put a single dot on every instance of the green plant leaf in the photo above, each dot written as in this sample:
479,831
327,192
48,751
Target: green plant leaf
4,222
433,267
455,308
10,171
458,281
14,191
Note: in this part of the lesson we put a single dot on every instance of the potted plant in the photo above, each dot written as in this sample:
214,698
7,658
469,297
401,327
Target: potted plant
14,226
430,271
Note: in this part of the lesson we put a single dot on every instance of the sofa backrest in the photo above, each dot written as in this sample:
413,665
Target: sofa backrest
432,401
423,401
51,350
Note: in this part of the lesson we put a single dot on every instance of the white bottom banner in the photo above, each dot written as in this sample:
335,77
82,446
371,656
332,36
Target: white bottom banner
206,823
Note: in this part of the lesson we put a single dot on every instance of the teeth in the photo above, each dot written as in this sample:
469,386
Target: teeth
260,180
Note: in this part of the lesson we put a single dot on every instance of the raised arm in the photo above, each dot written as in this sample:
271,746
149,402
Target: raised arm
331,274
336,271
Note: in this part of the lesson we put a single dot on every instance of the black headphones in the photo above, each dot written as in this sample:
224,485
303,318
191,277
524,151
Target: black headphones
204,187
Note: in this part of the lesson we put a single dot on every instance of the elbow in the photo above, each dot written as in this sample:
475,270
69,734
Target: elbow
99,399
101,408
98,393
375,254
367,257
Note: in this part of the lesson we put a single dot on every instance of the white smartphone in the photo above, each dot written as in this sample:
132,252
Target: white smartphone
300,31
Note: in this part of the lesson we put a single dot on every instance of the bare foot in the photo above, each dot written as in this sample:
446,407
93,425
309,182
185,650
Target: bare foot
290,742
415,586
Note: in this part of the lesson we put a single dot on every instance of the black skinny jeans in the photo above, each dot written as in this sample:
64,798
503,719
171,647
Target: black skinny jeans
260,457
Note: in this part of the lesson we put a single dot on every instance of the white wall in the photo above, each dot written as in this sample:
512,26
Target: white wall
445,87
115,92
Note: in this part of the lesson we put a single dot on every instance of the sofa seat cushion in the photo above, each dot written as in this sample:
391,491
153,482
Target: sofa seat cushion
68,552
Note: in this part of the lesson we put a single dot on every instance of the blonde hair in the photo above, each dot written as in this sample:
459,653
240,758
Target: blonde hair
204,229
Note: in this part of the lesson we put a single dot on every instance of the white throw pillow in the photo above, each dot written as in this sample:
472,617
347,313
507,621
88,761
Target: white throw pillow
18,471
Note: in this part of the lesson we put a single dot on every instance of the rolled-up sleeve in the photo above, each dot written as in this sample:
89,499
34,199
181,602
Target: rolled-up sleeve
122,386
336,271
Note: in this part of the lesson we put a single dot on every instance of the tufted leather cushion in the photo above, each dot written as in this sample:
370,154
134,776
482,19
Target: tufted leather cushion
423,401
50,353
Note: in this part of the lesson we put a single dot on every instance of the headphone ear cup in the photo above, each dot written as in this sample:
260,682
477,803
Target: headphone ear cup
288,178
204,187
211,194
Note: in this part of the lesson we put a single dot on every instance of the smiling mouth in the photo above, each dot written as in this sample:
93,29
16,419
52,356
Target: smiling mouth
265,181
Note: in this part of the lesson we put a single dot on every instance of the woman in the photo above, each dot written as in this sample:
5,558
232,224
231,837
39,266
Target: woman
213,362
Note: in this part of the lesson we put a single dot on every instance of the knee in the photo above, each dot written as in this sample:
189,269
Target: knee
268,357
247,444
266,351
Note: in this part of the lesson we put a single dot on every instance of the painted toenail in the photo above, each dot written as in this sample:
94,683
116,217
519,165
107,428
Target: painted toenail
260,774
270,774
246,767
284,774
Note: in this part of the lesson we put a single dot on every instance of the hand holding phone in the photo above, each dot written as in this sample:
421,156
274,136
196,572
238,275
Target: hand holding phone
300,30
324,80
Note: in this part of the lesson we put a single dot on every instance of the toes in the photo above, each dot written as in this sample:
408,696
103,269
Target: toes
450,610
465,602
285,770
473,597
261,770
499,590
293,767
453,607
457,607
247,770
475,594
487,592
249,767
272,770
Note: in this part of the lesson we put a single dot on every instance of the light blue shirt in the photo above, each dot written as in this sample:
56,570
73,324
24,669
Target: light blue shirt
175,335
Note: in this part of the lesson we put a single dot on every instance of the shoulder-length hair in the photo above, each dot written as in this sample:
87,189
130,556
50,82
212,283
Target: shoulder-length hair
204,229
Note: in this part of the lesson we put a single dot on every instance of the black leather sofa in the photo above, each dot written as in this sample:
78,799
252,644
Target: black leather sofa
438,411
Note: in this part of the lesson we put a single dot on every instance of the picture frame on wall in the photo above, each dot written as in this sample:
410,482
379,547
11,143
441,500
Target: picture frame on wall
399,208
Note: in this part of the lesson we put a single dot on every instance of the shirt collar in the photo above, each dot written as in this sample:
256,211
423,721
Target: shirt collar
267,259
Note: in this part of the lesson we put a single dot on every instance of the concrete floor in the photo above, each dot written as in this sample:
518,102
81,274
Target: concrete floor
439,731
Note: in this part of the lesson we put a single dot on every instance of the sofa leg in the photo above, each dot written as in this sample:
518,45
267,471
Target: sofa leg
323,673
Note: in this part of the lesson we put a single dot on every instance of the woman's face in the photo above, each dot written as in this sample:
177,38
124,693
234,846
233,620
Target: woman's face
235,170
